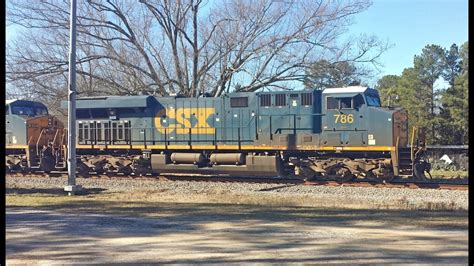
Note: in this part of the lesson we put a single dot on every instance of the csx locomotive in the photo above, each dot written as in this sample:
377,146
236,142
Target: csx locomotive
336,132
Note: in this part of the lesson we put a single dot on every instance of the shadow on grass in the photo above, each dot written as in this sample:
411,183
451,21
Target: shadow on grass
86,223
80,222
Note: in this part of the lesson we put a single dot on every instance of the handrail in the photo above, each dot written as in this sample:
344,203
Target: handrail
412,142
29,140
167,131
63,148
55,135
37,142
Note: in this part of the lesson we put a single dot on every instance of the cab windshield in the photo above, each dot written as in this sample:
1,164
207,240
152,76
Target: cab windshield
29,111
373,100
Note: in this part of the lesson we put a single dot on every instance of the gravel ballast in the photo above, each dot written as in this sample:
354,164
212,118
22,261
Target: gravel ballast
250,193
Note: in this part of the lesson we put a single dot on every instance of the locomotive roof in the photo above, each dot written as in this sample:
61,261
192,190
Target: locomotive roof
112,102
24,102
351,89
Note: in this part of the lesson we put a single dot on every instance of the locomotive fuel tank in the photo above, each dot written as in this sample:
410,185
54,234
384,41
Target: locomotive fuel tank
228,158
189,158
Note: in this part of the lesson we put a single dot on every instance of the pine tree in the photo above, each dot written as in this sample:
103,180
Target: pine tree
429,66
387,87
453,64
455,104
324,74
415,90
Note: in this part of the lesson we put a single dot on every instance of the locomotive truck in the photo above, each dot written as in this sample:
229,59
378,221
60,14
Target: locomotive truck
336,132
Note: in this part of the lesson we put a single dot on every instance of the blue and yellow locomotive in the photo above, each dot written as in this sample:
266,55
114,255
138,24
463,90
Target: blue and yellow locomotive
338,132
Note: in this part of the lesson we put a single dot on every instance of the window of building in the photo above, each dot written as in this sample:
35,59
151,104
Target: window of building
265,100
280,99
346,102
332,103
239,102
306,99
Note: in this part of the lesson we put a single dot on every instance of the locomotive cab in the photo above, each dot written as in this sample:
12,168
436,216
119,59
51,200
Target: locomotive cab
18,113
30,129
354,117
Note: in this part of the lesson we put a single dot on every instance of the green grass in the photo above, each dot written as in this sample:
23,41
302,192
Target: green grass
449,174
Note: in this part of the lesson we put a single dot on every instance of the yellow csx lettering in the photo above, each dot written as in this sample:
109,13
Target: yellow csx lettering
182,116
343,119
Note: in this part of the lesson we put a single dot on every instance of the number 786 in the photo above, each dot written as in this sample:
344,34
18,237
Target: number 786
343,119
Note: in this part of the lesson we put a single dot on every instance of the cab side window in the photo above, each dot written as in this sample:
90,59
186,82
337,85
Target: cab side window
345,103
332,103
358,101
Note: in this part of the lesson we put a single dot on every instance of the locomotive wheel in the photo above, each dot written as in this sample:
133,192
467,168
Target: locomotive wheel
110,174
100,171
311,177
307,174
387,178
420,169
344,175
83,171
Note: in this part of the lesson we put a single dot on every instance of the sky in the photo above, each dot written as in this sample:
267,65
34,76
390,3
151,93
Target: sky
407,25
410,25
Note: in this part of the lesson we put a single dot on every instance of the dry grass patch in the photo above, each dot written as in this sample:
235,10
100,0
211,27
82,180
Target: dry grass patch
153,197
448,174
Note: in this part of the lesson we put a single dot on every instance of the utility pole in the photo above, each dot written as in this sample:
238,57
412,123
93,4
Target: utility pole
71,187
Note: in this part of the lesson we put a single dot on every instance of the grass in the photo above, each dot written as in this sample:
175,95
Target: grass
147,198
448,173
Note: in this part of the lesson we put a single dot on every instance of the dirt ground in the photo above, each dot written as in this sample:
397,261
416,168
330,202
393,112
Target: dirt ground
45,228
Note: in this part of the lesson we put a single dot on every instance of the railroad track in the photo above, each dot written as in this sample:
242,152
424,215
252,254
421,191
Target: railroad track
445,185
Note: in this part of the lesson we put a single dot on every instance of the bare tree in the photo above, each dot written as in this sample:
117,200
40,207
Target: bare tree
187,46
